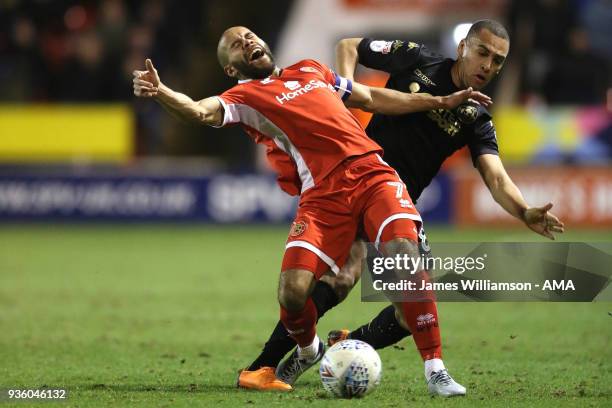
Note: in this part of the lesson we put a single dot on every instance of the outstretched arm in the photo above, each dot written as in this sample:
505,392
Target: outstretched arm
388,101
392,102
507,195
147,84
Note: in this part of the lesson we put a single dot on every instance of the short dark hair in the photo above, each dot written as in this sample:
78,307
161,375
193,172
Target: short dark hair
493,26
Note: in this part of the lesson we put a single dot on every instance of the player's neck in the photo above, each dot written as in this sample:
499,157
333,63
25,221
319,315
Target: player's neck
455,76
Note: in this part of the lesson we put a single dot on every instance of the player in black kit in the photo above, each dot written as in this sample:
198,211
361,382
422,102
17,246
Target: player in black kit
416,145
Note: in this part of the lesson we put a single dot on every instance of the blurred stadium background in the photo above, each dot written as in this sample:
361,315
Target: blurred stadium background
76,145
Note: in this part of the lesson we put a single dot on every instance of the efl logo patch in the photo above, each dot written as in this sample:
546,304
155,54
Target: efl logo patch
297,228
381,46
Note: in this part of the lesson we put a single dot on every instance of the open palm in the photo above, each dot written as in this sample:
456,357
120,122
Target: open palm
541,221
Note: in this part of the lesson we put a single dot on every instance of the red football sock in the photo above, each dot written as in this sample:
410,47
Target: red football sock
422,318
301,325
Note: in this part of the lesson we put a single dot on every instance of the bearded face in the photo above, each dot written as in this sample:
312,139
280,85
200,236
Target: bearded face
245,54
257,63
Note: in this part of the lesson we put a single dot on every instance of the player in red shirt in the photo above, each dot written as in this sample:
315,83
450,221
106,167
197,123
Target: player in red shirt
320,152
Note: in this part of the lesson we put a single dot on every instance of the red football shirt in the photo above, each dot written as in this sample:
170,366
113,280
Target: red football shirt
300,117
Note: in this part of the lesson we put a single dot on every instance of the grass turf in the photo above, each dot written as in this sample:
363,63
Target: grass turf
167,315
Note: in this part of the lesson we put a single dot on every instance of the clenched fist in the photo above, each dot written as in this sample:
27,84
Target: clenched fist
146,83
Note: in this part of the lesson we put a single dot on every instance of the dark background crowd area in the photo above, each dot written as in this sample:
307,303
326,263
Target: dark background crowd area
564,49
85,51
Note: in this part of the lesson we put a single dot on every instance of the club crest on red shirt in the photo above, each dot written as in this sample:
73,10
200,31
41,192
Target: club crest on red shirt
297,228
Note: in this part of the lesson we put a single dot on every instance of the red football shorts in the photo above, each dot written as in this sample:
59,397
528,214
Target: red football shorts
361,193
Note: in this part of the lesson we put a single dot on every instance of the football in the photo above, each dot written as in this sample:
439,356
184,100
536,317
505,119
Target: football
350,369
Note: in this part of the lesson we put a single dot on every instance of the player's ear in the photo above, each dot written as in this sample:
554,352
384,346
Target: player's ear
461,49
230,71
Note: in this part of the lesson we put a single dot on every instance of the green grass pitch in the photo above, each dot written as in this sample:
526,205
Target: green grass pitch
166,315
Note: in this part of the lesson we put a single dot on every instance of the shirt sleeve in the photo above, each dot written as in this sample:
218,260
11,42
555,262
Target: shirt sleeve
230,101
388,56
485,141
342,86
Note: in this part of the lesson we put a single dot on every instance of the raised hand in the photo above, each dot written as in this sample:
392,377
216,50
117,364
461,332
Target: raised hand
146,83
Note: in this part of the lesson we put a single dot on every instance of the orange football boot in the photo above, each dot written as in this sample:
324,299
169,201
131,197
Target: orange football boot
263,379
336,336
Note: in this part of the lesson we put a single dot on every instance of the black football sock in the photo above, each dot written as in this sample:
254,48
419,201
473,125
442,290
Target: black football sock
382,331
275,348
324,298
279,342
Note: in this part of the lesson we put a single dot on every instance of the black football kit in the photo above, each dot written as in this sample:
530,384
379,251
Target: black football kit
417,144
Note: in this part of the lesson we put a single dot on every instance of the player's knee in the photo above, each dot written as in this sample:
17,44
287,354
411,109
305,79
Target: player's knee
340,283
343,284
294,288
344,281
401,246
